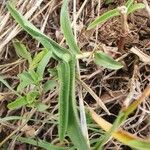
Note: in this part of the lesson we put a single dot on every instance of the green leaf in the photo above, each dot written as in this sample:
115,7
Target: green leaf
64,81
112,13
66,28
9,87
102,59
49,85
42,64
19,102
122,116
135,7
9,118
37,58
39,143
122,136
74,130
34,76
41,107
31,97
139,145
103,18
47,42
25,80
120,119
129,3
21,51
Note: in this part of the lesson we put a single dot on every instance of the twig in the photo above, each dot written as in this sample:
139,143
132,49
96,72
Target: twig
98,100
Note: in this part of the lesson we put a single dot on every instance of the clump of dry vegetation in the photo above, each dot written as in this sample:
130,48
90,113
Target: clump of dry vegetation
74,74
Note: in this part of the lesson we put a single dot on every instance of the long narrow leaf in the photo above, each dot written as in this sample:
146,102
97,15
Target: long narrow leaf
129,3
39,143
42,64
120,118
37,34
135,7
121,135
103,18
136,103
64,79
112,13
123,114
66,28
9,118
74,130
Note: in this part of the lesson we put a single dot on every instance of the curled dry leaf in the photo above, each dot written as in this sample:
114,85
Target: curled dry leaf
143,57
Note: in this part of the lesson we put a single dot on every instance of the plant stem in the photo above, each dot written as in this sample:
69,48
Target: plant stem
124,25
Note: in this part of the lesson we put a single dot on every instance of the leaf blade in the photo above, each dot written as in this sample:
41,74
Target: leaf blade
64,80
42,64
21,51
103,18
39,143
66,28
47,42
101,58
19,102
135,7
74,130
129,3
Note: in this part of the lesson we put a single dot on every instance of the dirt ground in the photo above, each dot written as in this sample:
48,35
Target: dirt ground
113,87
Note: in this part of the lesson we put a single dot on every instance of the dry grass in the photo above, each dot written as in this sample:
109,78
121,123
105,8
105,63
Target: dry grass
114,88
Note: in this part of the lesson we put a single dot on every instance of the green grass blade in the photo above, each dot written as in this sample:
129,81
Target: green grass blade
129,3
9,87
125,137
37,34
122,116
112,13
66,28
42,64
139,145
74,130
135,7
64,80
103,18
19,102
10,118
21,51
120,119
102,59
39,143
